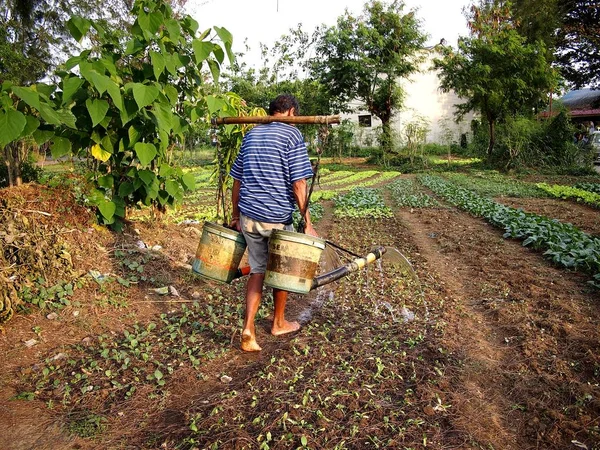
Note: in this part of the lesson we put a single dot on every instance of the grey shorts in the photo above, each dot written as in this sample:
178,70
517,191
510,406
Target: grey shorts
257,239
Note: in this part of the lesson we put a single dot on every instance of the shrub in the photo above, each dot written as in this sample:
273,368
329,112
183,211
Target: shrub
29,172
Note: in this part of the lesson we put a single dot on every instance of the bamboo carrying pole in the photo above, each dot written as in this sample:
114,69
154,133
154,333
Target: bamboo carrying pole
285,119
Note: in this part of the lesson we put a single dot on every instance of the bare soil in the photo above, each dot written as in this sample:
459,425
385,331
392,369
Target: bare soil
502,349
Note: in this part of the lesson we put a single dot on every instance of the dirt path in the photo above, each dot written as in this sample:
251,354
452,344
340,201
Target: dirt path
515,320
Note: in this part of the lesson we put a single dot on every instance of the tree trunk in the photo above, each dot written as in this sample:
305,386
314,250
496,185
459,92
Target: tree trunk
13,165
492,127
386,137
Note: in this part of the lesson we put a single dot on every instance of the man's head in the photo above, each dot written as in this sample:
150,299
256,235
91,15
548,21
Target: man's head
284,103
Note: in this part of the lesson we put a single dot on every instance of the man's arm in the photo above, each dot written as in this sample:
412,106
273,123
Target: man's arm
300,194
235,199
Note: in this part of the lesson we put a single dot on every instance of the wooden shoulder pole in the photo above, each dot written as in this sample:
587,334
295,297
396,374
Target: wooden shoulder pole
284,119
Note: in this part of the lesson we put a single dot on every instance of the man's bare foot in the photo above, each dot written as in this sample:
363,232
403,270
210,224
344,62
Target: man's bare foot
286,327
249,343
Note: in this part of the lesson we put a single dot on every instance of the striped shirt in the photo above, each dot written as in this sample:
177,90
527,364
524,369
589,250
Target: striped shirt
271,158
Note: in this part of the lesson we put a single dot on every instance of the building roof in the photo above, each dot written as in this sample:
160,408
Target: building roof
582,101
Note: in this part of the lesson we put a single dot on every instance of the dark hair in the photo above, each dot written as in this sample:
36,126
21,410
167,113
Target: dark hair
282,103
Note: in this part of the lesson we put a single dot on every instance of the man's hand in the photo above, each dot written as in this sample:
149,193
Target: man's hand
235,224
308,229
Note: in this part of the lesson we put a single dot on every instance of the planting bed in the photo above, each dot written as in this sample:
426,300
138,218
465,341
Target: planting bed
492,347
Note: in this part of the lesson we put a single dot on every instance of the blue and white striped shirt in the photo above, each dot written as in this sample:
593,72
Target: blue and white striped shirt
271,158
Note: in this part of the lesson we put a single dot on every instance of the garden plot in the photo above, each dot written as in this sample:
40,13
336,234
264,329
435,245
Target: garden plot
495,348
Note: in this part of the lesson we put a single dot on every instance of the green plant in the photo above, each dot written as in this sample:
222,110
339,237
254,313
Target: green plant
125,106
590,187
568,193
361,203
406,193
564,244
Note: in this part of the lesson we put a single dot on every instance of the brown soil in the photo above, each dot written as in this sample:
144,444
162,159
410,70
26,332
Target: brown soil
502,351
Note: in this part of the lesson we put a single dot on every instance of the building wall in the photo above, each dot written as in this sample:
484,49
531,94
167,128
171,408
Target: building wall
424,101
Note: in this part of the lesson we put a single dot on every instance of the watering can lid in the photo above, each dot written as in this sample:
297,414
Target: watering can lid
299,238
224,232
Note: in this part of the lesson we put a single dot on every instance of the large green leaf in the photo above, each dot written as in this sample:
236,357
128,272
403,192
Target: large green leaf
60,146
45,90
147,176
224,34
145,153
109,65
78,27
70,86
42,136
133,47
218,52
129,110
73,61
134,135
28,95
32,125
67,118
173,188
107,144
214,103
214,69
150,23
171,64
125,189
107,209
115,93
158,64
202,50
189,181
173,29
164,116
97,108
172,94
49,115
144,95
190,24
99,81
106,181
12,124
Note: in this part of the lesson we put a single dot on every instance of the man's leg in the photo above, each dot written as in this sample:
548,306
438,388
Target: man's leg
253,295
280,325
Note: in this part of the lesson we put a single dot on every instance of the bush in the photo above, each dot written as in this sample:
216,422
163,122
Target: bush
29,172
523,142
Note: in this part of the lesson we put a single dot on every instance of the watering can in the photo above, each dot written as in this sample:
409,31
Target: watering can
292,264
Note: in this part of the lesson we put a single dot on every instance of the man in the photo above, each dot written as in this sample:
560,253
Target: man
269,175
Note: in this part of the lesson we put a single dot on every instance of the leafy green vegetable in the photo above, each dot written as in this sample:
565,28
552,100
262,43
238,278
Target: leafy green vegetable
563,243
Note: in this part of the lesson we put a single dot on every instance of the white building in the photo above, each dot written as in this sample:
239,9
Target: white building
424,102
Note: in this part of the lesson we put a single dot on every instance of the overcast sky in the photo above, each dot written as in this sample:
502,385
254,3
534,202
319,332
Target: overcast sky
266,20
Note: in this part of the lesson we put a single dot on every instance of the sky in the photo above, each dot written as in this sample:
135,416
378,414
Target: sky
266,20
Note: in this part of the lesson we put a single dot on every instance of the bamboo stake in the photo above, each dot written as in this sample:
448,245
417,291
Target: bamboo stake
285,119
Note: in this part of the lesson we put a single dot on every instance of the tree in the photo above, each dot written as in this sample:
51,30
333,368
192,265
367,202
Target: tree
495,70
363,58
578,41
125,105
34,37
571,31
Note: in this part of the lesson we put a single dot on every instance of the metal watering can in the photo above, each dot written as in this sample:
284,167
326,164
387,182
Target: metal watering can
292,264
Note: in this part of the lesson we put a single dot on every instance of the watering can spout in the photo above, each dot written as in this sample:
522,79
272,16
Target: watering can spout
343,271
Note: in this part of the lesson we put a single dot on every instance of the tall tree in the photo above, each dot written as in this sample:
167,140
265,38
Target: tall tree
363,58
571,31
578,42
495,70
